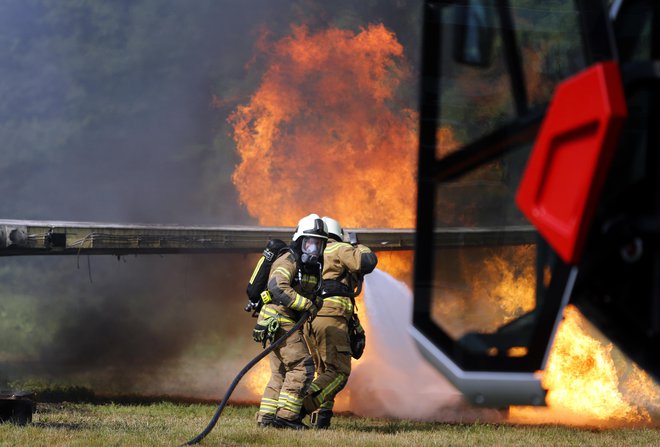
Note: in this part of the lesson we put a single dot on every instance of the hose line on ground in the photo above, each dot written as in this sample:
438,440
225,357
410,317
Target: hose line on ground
240,375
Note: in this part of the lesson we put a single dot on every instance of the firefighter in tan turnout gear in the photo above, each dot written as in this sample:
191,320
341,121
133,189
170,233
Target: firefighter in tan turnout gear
294,281
328,334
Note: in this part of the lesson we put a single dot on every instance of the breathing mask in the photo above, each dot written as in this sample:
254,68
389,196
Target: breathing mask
311,249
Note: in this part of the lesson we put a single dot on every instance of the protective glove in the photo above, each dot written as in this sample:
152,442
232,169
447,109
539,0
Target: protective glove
265,330
259,333
356,337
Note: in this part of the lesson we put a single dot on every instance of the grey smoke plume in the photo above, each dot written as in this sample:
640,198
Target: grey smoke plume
129,327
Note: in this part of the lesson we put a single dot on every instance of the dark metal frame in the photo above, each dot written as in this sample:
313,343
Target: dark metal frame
431,171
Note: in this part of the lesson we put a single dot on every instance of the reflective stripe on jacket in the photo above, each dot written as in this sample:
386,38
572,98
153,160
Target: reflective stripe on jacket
288,298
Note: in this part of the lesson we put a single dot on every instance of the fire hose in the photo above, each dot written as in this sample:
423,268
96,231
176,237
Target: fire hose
240,375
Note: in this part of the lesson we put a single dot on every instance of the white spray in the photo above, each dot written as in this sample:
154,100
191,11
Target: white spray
393,379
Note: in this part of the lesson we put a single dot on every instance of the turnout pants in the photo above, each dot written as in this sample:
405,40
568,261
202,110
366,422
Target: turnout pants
292,371
328,340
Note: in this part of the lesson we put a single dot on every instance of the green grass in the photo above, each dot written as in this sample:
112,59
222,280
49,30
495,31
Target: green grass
169,424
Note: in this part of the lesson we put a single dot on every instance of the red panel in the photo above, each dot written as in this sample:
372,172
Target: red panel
568,165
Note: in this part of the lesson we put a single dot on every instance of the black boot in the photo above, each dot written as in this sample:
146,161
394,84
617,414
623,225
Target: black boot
267,420
296,424
321,419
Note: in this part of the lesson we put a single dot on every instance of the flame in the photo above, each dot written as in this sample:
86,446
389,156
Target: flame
447,142
584,387
398,264
257,378
497,291
326,132
582,375
504,283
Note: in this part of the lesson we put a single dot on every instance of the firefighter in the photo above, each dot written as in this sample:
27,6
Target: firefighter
294,281
328,334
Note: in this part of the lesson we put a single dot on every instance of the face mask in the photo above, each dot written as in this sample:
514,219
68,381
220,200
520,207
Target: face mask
311,249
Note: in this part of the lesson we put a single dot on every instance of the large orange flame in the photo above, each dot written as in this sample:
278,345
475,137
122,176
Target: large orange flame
324,133
584,385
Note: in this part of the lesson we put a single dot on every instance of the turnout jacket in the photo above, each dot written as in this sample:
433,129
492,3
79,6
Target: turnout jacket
287,291
342,262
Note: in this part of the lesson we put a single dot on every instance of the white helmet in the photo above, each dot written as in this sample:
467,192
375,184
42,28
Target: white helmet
334,229
311,225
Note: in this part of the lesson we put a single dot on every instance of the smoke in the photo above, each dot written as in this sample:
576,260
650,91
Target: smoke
393,380
118,112
104,109
105,116
141,324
